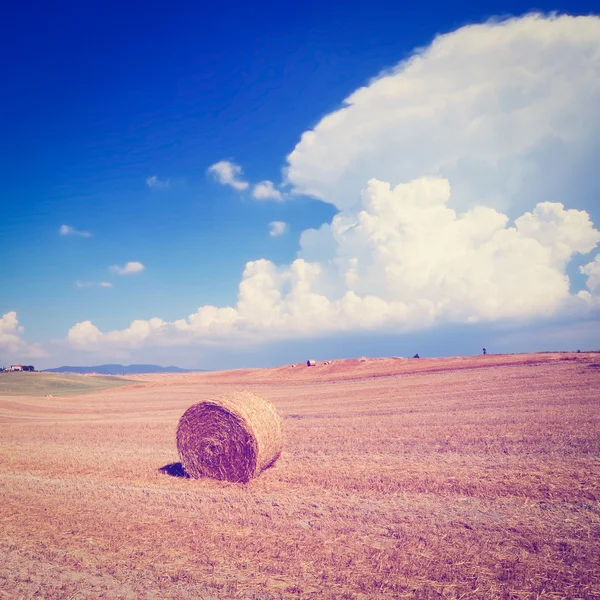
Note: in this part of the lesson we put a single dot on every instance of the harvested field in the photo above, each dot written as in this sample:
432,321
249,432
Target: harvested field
434,478
56,384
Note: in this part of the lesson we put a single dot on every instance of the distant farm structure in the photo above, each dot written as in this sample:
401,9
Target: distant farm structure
14,368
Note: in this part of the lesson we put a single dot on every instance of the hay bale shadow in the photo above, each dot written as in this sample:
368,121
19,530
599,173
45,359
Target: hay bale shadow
174,470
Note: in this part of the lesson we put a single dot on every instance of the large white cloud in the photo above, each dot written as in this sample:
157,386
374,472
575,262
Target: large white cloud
440,170
499,109
402,259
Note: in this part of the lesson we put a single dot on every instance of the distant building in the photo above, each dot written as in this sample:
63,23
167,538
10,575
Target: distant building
21,368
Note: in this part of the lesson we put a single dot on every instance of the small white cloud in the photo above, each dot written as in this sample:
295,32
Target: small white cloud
87,284
228,173
129,268
265,190
68,230
592,270
277,228
84,333
156,183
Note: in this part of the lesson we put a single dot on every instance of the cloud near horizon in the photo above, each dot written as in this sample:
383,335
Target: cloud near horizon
403,261
12,345
457,176
129,268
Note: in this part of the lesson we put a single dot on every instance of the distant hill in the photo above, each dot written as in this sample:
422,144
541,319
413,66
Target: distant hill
119,369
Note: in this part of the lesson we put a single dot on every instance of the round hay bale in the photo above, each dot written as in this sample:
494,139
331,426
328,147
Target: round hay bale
233,437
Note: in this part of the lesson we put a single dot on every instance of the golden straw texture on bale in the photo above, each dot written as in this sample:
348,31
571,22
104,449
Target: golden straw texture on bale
232,437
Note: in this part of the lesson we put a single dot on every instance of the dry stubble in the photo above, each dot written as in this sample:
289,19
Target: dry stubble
444,479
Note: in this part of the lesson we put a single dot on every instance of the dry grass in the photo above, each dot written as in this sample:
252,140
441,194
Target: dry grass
21,383
233,437
452,478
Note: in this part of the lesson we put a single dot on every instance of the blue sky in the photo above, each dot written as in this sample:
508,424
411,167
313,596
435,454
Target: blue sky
100,98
